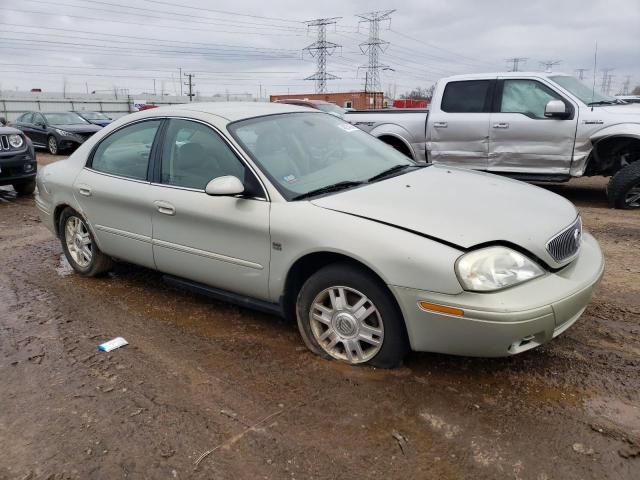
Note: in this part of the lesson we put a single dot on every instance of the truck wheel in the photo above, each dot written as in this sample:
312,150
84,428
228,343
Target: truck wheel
25,188
346,314
52,145
624,187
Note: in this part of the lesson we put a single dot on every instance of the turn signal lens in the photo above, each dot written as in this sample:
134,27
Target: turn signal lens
434,307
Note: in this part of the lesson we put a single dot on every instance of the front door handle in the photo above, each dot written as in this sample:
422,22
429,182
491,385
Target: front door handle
165,207
440,125
84,190
501,125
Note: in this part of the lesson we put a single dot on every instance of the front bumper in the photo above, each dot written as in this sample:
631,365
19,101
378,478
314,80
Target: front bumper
19,167
507,322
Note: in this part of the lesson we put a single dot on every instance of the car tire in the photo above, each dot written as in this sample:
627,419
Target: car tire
52,145
345,313
623,190
25,188
79,245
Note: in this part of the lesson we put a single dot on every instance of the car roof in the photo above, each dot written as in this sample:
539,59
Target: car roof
231,111
490,75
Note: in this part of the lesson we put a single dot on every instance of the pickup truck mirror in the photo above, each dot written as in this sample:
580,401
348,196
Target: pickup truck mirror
555,109
227,185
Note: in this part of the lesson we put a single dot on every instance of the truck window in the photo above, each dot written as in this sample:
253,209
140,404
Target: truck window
528,97
465,97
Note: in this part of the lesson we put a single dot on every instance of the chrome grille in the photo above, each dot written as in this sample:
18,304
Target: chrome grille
567,243
4,143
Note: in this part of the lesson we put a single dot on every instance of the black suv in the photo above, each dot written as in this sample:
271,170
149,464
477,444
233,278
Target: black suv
55,131
17,160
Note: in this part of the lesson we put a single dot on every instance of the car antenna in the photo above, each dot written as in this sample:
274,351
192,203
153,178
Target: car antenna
595,66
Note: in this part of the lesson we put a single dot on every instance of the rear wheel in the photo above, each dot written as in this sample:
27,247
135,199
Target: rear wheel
624,187
25,188
346,314
79,245
52,145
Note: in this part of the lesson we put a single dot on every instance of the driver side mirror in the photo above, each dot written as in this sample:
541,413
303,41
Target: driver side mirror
555,109
227,185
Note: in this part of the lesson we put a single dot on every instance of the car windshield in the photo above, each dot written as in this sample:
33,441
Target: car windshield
583,92
305,152
94,116
64,118
331,108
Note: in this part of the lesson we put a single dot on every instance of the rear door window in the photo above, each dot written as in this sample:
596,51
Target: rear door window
126,152
469,96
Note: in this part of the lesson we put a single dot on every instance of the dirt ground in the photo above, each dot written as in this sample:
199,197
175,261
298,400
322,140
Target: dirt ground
200,376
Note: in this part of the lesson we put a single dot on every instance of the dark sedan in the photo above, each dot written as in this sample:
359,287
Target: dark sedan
97,118
55,131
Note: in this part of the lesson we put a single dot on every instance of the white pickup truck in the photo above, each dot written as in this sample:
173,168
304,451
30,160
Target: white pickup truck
541,127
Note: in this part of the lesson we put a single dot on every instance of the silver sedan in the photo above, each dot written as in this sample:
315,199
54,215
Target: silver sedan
296,212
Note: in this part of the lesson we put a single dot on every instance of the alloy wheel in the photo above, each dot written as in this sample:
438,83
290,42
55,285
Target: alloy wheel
346,324
53,145
78,240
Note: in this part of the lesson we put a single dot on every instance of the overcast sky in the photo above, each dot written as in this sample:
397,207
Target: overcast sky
249,45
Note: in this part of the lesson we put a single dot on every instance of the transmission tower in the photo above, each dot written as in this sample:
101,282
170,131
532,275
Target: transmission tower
374,46
580,72
605,84
516,61
320,49
549,64
626,86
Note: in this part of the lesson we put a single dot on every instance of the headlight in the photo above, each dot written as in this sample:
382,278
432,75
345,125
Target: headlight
16,141
494,268
64,133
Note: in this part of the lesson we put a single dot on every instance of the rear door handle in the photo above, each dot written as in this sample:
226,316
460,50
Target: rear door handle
440,125
165,207
501,125
84,190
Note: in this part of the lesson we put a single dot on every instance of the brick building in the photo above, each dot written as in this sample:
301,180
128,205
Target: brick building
355,100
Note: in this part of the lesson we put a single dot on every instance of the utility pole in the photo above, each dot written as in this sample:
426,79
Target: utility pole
190,84
154,87
180,77
516,61
320,50
549,64
581,72
374,46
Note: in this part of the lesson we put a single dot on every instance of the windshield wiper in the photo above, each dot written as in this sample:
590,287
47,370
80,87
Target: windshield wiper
391,171
328,189
602,102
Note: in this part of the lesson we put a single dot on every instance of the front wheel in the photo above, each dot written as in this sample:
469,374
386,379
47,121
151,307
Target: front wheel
52,145
80,247
346,314
624,187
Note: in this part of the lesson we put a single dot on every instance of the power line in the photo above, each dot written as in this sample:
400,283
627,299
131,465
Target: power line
320,49
374,46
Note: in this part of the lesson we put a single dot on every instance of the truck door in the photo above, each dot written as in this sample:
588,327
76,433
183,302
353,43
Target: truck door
458,128
522,139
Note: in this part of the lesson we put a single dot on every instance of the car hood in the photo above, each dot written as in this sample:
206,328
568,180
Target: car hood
462,208
101,123
9,131
631,109
79,128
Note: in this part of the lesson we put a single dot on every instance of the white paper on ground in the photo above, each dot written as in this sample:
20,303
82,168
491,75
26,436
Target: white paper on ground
112,344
